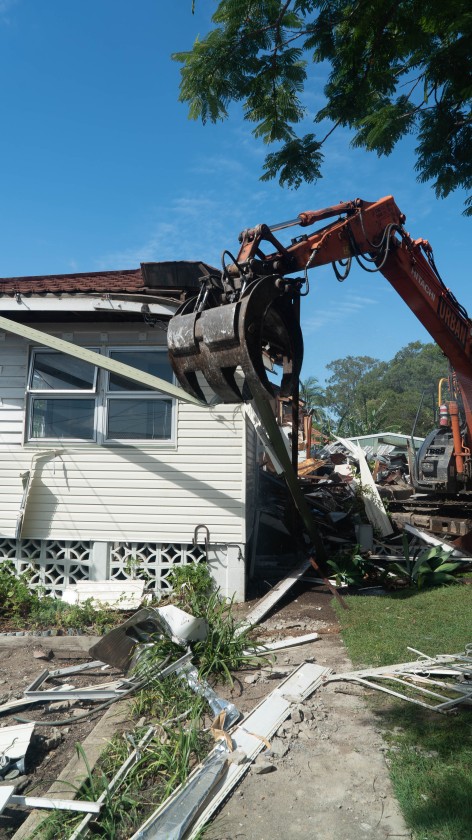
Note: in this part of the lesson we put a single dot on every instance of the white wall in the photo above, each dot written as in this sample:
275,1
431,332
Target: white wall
87,491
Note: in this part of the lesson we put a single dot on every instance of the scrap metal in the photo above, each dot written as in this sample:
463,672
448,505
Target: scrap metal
9,797
14,743
179,813
121,773
118,646
187,811
218,704
282,644
422,677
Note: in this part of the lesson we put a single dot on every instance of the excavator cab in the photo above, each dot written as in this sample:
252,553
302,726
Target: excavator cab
443,462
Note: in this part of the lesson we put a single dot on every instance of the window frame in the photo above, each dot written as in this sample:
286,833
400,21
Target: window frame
149,393
34,394
101,394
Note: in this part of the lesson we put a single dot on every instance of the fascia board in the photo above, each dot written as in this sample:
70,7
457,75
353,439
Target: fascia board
84,303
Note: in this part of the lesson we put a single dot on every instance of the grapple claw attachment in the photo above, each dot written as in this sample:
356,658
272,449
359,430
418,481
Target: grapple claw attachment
230,347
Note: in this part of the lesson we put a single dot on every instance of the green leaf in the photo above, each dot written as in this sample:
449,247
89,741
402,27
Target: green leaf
447,567
394,69
299,160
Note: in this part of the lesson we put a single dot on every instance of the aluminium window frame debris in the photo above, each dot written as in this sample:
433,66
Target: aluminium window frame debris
12,705
116,690
104,691
14,743
9,797
96,693
180,811
418,676
71,669
119,776
282,644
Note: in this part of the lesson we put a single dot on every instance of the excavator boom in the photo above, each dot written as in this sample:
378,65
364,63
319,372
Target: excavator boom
245,321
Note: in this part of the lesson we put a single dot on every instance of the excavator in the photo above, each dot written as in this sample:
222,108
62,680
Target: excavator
245,321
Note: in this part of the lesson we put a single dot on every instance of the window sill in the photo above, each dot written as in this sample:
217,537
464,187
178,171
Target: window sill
170,446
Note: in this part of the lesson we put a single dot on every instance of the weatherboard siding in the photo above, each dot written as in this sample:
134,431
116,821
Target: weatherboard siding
13,372
137,492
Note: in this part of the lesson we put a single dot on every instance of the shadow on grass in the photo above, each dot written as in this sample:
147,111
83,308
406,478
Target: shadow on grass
430,761
445,813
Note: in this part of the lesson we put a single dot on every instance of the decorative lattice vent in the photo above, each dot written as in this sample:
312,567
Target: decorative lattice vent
51,564
54,564
152,561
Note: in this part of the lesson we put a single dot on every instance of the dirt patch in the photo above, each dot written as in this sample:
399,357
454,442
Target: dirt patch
328,776
51,746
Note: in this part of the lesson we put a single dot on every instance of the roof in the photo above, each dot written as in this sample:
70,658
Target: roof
149,278
393,438
102,281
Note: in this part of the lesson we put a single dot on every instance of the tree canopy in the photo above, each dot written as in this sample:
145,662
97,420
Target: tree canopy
364,395
394,68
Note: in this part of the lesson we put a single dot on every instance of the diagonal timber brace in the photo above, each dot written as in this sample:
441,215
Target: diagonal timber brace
71,349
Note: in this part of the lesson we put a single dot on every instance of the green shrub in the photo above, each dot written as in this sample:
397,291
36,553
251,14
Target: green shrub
23,608
192,586
15,596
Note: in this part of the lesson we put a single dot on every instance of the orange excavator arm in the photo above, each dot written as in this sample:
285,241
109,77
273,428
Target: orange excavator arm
373,230
246,319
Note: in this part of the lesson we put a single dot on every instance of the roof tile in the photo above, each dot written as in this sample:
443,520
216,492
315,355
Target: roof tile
128,280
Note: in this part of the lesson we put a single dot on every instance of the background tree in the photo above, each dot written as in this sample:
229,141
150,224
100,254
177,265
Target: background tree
364,395
346,395
395,68
313,395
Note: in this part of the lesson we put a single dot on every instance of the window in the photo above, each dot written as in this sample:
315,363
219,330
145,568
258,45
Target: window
133,410
70,399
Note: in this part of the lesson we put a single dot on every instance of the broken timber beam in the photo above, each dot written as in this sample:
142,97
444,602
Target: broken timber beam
275,436
268,601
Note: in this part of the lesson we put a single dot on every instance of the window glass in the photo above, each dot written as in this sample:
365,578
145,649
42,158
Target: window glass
101,406
139,419
154,361
62,418
58,372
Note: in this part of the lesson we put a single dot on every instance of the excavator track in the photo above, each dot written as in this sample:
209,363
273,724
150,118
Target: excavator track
446,518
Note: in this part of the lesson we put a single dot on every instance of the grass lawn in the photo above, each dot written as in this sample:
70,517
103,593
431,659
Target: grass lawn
430,754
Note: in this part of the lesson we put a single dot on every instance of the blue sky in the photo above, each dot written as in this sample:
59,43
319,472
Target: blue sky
101,169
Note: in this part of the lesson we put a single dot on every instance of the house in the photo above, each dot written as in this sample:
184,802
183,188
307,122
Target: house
103,477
